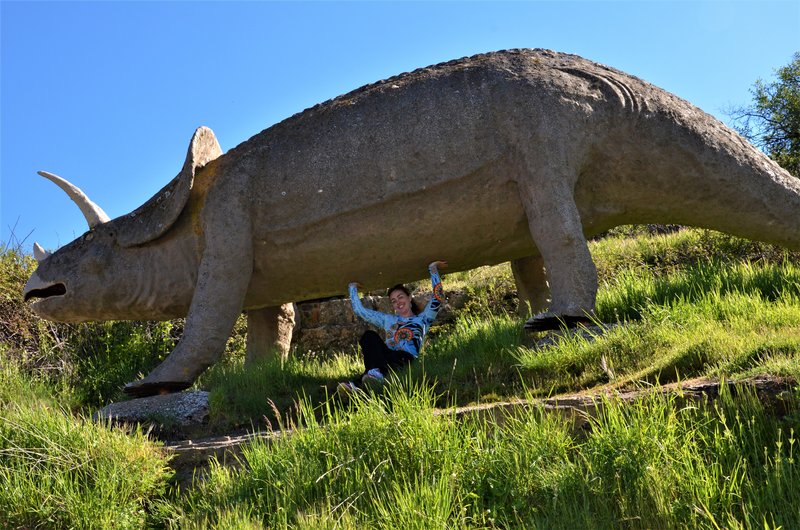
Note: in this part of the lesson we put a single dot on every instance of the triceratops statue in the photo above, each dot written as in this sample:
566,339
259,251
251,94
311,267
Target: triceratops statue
516,155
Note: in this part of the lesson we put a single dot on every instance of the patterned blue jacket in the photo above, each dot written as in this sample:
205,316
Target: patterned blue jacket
406,334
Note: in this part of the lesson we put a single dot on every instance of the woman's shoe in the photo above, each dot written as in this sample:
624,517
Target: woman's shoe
373,378
346,389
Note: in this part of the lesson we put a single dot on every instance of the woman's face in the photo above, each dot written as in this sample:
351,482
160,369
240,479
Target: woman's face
401,303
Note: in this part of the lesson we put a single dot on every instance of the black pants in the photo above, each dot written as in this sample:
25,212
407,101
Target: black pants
378,355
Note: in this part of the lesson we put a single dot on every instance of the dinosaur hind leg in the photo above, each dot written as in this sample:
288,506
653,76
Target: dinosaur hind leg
269,331
531,282
555,226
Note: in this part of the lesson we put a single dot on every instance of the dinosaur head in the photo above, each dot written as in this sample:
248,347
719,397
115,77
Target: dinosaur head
121,268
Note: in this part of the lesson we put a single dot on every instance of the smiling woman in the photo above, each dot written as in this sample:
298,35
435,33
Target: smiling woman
405,330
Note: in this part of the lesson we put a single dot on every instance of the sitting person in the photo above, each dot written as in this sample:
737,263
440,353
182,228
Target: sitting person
405,330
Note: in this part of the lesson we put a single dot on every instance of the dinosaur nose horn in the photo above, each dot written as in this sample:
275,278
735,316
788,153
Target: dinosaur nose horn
93,213
39,253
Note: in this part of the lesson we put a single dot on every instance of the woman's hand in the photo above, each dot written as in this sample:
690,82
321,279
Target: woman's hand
436,265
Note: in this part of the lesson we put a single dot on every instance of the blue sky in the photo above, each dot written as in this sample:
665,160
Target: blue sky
108,94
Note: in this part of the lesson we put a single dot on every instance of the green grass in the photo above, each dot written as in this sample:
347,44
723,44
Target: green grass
708,319
264,394
355,452
691,303
702,321
58,470
387,460
686,304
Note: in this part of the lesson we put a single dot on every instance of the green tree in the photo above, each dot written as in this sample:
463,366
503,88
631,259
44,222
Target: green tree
772,121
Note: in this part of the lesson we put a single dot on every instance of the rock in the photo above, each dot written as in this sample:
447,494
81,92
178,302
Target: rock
183,414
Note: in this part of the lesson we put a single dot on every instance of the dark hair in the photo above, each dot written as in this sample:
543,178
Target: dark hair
400,287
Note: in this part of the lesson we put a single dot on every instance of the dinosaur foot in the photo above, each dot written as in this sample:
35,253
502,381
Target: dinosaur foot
550,322
144,388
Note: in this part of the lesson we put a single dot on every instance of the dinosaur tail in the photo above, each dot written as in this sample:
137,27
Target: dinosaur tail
678,164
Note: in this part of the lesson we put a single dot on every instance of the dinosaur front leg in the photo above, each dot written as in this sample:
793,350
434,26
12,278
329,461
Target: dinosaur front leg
269,330
531,282
223,278
555,226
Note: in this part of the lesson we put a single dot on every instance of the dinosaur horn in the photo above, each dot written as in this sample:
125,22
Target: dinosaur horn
93,213
39,253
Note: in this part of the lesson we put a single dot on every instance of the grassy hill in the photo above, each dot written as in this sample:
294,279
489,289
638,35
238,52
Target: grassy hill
674,306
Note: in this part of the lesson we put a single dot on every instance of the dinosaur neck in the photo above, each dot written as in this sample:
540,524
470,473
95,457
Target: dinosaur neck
165,274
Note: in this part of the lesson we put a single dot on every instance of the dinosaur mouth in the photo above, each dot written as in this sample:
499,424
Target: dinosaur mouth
57,289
